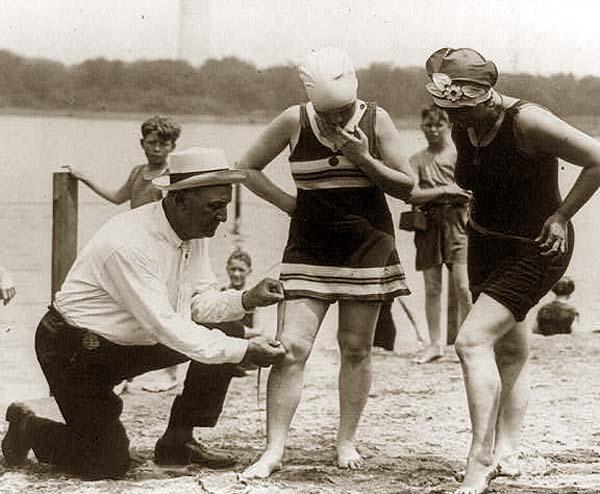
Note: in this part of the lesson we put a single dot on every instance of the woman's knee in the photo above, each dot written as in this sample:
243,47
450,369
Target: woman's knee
297,351
354,350
468,345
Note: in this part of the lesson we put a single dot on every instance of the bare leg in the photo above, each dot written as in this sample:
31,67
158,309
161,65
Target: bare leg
512,353
459,281
485,325
452,315
433,304
299,328
355,336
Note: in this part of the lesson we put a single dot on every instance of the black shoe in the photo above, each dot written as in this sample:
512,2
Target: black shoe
190,452
17,442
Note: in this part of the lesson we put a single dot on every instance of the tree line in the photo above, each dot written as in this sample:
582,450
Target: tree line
232,87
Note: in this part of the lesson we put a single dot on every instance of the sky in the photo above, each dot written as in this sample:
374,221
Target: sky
536,36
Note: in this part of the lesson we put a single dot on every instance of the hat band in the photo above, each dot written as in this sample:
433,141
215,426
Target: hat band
177,177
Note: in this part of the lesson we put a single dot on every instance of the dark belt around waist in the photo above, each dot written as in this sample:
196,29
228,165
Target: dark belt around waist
55,323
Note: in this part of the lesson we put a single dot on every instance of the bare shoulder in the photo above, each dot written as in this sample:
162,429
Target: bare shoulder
290,116
384,125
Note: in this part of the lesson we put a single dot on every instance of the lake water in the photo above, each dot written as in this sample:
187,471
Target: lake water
33,147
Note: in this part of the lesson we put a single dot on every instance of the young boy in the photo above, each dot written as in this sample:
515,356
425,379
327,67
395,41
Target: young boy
444,241
159,136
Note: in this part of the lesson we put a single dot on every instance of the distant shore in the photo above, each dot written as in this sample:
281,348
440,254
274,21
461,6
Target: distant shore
587,123
247,119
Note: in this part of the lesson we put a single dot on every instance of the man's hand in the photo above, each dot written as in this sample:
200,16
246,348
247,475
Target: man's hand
263,351
265,292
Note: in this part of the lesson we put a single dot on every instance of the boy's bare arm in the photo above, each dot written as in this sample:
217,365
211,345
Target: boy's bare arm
118,196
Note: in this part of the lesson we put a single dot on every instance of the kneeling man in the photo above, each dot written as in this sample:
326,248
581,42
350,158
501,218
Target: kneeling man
134,302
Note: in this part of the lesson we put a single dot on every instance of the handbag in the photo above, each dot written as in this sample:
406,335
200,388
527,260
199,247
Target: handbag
413,221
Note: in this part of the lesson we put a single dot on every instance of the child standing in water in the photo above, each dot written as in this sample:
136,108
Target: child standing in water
159,135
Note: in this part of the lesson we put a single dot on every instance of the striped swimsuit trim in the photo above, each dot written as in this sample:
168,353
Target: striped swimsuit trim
338,283
319,174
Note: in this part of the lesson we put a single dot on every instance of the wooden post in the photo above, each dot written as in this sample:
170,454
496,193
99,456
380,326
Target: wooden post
237,209
64,227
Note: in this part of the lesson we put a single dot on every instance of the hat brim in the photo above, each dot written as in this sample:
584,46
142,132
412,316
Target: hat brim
459,103
221,177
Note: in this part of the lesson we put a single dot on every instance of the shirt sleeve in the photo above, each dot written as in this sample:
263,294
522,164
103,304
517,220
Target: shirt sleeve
128,276
212,305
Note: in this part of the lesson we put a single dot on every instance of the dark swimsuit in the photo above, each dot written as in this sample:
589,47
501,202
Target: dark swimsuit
514,193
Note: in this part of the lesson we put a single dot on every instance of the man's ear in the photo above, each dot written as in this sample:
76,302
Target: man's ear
142,143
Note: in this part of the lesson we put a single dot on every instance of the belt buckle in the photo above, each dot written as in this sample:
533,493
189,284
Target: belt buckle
90,341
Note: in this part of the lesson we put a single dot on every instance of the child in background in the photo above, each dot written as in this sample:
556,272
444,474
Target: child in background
159,137
239,267
444,240
558,316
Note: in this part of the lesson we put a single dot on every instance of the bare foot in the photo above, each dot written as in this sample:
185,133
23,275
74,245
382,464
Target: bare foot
264,467
477,478
162,384
349,457
431,354
509,466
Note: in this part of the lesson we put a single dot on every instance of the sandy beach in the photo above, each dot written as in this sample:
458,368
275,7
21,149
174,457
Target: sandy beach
414,432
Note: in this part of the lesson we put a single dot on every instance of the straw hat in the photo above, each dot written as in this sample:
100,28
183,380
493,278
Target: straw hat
198,167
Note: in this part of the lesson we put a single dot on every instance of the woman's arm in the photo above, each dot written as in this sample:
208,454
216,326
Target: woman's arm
447,193
118,196
542,132
265,149
392,173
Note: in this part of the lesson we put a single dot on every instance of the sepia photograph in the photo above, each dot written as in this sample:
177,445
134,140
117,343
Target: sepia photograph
314,247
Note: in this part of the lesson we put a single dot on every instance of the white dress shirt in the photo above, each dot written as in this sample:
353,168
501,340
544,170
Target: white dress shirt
137,283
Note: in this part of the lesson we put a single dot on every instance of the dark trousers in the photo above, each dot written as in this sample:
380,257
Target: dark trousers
385,330
82,369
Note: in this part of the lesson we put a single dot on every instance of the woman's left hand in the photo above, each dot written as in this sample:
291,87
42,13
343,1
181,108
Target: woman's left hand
553,239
